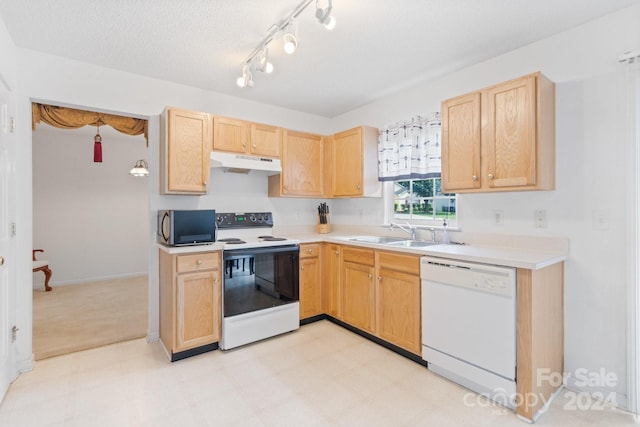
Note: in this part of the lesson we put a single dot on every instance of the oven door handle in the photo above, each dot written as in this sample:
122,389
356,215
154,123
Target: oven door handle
258,251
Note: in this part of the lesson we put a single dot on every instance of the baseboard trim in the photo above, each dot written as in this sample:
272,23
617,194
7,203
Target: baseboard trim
383,343
90,279
193,352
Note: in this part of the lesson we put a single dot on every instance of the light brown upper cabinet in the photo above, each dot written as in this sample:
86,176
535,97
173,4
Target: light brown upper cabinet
238,136
351,162
501,138
302,166
184,152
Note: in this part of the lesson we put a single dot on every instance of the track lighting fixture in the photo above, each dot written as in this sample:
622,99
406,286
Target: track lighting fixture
290,40
263,63
258,59
246,79
324,15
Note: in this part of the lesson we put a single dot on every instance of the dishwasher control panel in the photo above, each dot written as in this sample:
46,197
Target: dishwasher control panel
481,277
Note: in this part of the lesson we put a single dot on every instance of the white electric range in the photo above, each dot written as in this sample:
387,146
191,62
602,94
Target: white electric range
260,286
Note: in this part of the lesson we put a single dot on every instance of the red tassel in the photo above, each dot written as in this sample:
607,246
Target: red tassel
97,149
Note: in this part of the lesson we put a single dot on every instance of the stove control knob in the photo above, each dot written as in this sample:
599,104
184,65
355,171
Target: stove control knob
265,218
252,218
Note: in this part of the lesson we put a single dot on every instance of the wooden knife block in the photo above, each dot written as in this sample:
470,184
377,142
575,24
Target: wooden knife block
323,228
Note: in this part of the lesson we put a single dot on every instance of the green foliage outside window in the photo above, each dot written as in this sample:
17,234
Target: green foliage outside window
423,199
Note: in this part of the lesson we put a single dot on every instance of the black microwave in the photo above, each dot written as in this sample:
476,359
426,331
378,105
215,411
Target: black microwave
187,227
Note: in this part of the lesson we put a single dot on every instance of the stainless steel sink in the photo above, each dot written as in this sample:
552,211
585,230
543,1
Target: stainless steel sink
413,243
379,239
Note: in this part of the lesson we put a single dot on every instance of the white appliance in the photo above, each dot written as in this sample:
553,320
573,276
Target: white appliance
260,296
469,325
242,163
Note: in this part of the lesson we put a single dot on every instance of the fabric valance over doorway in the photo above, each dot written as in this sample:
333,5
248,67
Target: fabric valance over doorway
71,118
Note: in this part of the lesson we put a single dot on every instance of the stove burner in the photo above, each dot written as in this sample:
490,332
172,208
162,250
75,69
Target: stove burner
232,241
271,238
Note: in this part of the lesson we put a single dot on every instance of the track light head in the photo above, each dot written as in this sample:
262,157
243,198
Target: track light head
246,79
263,63
290,42
324,16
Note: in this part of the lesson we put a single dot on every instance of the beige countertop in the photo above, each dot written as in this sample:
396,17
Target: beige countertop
531,259
523,256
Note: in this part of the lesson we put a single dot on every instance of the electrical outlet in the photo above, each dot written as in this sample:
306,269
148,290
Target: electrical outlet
498,216
540,218
600,219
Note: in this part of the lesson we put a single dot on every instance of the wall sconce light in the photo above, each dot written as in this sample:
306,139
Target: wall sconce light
140,169
287,28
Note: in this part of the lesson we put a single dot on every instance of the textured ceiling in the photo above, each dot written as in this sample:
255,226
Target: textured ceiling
378,47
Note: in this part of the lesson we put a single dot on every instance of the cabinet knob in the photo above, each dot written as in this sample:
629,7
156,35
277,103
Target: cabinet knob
474,177
490,176
370,276
310,250
244,145
199,262
379,277
255,146
302,267
337,252
205,183
1,260
358,186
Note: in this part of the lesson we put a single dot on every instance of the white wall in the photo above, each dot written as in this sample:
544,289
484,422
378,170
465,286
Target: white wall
90,218
592,174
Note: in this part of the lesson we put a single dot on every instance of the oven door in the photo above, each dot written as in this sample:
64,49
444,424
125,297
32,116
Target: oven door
259,278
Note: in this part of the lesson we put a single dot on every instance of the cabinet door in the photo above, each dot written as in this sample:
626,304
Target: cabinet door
347,157
510,136
310,292
186,153
331,265
265,140
302,160
230,135
398,309
461,143
358,296
197,309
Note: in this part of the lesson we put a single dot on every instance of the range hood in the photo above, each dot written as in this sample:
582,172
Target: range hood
242,163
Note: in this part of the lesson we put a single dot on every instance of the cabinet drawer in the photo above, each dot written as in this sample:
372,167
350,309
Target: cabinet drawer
399,262
358,255
196,262
309,250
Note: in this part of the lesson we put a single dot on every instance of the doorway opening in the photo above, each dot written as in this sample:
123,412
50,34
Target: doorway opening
91,219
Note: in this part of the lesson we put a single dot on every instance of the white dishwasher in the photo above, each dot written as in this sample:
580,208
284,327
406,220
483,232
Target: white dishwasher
469,325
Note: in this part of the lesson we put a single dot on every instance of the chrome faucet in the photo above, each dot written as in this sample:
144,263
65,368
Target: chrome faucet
410,229
433,234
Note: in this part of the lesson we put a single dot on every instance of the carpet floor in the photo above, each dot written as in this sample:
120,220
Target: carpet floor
78,317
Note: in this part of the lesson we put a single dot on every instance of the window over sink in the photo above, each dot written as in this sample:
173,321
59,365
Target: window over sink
422,201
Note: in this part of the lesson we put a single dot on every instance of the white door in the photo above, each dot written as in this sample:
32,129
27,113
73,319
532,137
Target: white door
7,243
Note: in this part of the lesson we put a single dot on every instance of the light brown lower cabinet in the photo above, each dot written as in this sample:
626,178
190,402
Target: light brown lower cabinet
309,282
398,302
380,294
331,260
358,296
190,301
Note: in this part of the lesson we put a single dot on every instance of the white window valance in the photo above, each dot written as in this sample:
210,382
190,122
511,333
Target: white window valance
410,149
